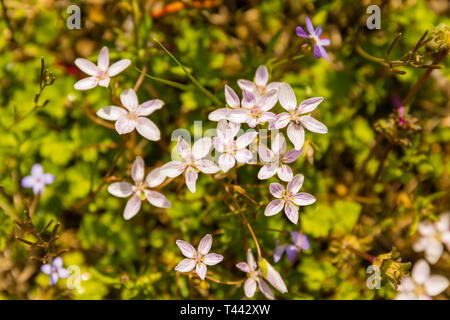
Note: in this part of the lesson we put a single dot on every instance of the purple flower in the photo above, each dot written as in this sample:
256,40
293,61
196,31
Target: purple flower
276,159
199,258
190,161
255,109
314,35
99,74
400,109
300,242
140,190
55,270
232,150
133,117
254,278
297,117
289,198
260,85
38,179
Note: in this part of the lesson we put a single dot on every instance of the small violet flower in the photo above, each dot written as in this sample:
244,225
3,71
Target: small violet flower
255,109
140,190
260,85
276,159
232,150
199,258
55,270
289,198
133,116
38,179
99,74
434,236
297,118
421,286
191,160
314,35
300,242
254,278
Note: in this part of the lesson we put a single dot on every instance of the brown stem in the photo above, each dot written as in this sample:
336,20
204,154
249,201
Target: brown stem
363,255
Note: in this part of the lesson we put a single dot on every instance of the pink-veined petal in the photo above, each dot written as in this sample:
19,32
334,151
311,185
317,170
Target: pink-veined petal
86,66
226,162
138,169
323,53
265,289
243,156
148,107
285,173
244,140
183,148
86,83
201,270
275,279
191,179
206,166
267,156
261,76
129,99
103,59
186,265
148,129
313,125
295,184
280,121
250,287
186,248
155,178
309,26
157,199
301,33
120,189
219,114
251,260
296,134
309,105
201,148
303,199
231,97
276,189
268,100
248,99
278,144
238,115
279,250
173,169
287,98
124,125
132,208
274,207
243,266
212,259
111,113
292,155
118,67
267,171
291,211
104,82
205,244
246,85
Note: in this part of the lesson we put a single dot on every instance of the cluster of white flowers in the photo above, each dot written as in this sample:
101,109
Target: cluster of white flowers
259,97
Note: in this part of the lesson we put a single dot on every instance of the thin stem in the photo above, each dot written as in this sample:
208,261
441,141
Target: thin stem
230,283
168,82
363,255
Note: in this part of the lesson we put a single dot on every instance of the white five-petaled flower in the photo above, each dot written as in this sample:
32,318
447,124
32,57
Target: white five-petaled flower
133,116
232,150
254,278
99,74
297,118
276,159
232,101
288,198
421,285
38,179
191,160
255,109
260,86
199,258
140,190
433,237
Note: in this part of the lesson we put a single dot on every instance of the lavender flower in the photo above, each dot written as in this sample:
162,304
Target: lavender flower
99,74
55,270
232,150
260,85
191,160
38,179
254,278
300,242
421,286
140,190
133,116
314,35
399,108
277,159
297,118
289,198
199,258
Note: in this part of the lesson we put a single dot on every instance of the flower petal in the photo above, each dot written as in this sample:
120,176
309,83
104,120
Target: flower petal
103,59
279,250
86,66
186,265
219,114
421,272
46,268
231,97
206,166
129,99
292,252
186,248
251,260
265,289
262,76
111,113
275,279
267,101
201,148
118,67
324,53
124,125
137,169
148,129
120,189
309,105
37,171
173,169
201,270
267,171
157,199
295,184
292,155
243,156
86,83
205,244
148,107
291,211
276,189
132,208
285,173
313,125
243,266
226,162
435,285
246,85
267,156
191,179
278,144
280,121
238,115
434,251
57,262
301,33
28,182
246,139
250,287
274,207
155,178
303,199
309,26
212,259
296,134
287,98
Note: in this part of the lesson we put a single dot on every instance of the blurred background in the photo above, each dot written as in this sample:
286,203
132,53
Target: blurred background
374,179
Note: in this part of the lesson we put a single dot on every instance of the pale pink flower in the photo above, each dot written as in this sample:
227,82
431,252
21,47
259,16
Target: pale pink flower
255,278
133,117
199,258
260,85
255,109
99,74
232,101
289,198
434,236
297,117
421,285
276,160
232,150
191,160
275,279
140,190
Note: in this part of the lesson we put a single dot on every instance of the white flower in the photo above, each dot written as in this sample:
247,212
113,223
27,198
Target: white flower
140,190
276,159
260,86
297,118
433,238
191,160
254,278
288,198
421,286
133,116
255,109
199,258
232,150
232,101
99,74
